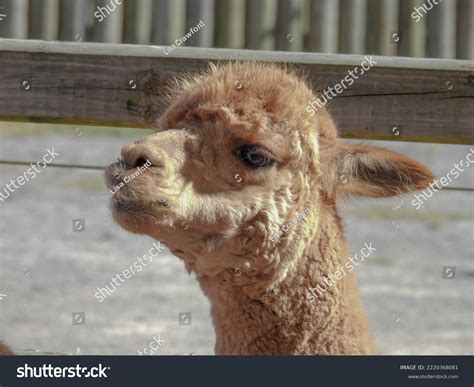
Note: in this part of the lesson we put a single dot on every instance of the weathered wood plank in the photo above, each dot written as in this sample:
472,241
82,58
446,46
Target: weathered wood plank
426,100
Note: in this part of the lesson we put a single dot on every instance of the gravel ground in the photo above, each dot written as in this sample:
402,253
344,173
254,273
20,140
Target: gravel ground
48,272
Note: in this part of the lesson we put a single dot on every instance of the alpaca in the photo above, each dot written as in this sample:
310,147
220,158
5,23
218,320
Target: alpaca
243,187
4,350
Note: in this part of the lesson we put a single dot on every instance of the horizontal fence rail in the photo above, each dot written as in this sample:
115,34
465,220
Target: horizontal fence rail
383,27
427,100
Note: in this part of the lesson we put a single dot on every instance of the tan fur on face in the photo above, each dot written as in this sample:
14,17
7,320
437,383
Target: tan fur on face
4,351
221,216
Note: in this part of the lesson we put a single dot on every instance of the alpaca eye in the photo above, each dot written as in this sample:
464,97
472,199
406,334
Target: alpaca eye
253,156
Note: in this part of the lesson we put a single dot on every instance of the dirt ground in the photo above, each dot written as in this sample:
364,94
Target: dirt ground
48,272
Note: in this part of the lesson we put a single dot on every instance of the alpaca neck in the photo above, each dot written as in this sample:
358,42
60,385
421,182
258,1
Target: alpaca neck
280,319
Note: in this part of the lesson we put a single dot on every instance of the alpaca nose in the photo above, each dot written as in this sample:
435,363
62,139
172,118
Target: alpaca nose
138,154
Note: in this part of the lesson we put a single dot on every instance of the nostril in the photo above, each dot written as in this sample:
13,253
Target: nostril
135,156
141,161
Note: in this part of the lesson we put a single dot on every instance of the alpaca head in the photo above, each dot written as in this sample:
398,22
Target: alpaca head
238,171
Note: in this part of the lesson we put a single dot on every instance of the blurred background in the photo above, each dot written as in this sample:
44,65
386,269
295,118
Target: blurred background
387,27
49,272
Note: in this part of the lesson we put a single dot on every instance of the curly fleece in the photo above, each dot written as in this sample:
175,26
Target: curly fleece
220,216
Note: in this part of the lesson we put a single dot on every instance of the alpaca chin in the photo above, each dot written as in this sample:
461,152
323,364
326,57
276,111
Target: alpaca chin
130,220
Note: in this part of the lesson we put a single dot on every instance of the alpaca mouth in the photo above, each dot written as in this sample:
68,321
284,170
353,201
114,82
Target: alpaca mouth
124,199
121,204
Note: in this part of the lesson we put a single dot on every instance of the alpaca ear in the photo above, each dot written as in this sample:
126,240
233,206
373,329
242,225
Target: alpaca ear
368,171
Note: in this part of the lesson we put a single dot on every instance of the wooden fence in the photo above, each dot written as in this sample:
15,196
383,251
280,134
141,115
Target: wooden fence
429,100
383,27
400,99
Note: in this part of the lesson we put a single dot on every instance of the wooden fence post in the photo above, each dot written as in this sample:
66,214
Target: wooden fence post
260,22
72,20
137,21
441,30
14,23
465,30
197,10
43,19
382,27
168,23
352,26
108,22
324,26
289,31
412,29
230,24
